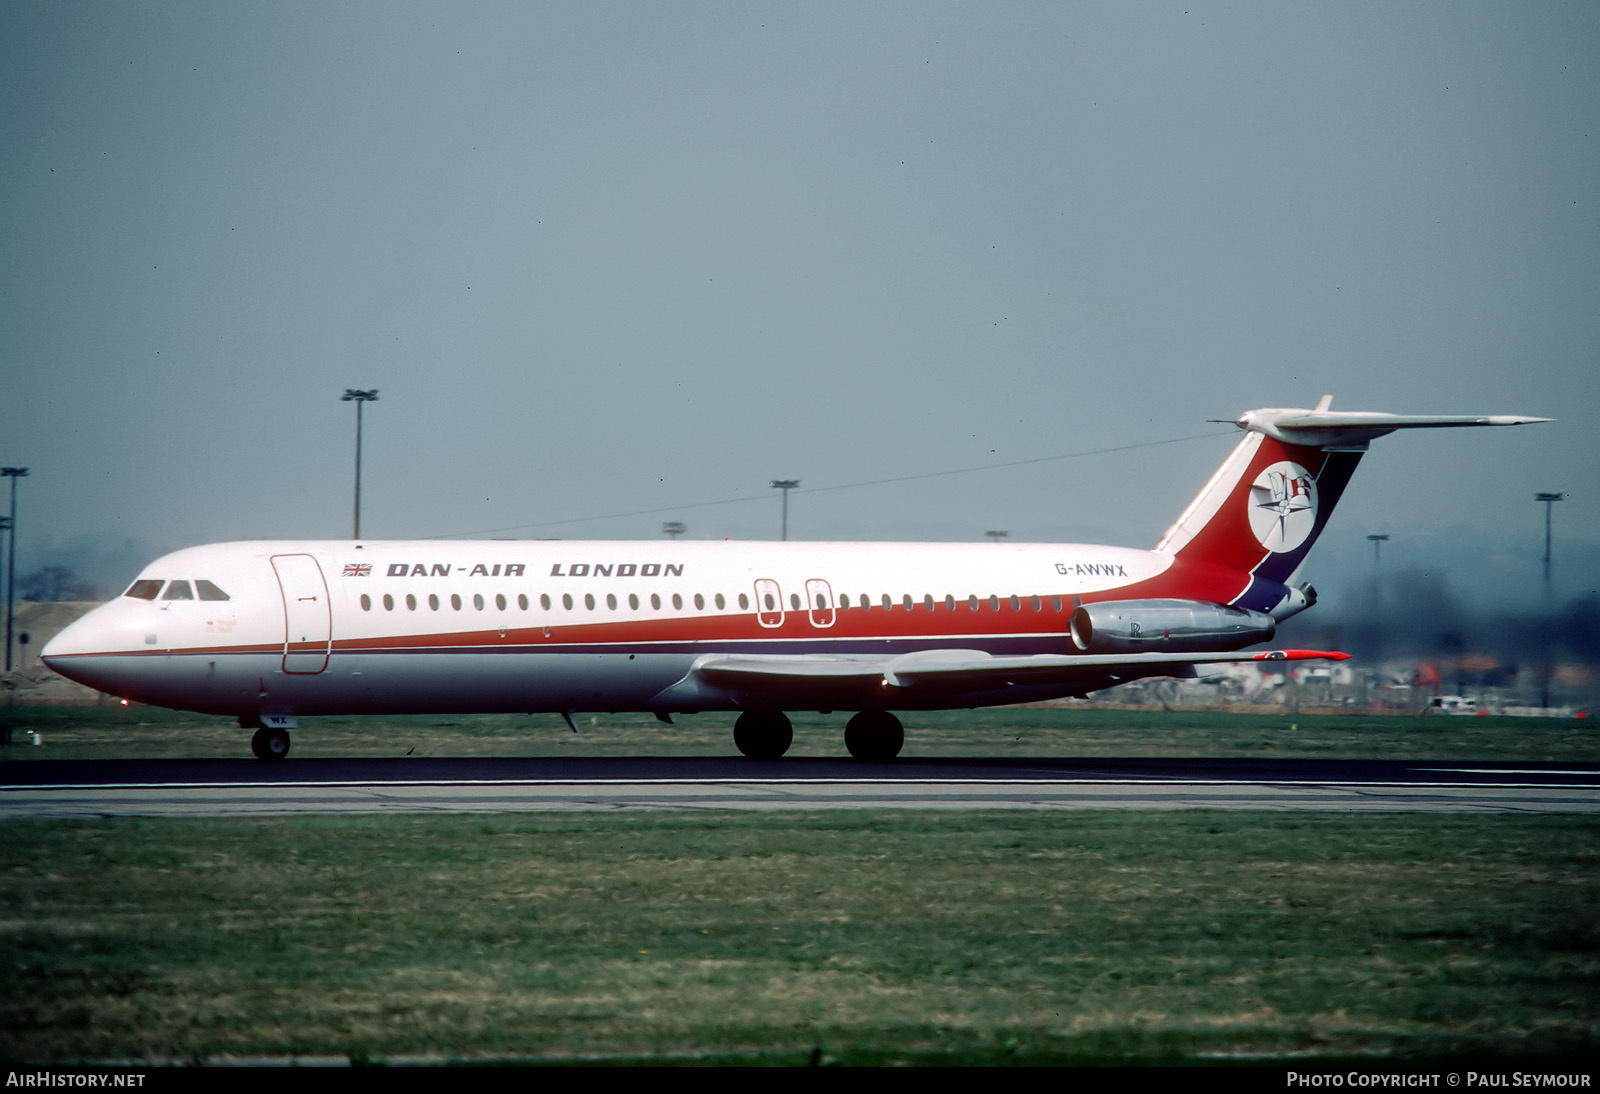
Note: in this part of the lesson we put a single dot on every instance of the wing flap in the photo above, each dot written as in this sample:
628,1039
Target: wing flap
845,682
1047,667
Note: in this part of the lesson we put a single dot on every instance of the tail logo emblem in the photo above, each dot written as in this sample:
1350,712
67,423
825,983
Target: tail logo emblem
1283,506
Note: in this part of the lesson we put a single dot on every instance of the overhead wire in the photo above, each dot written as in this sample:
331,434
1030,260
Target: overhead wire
838,486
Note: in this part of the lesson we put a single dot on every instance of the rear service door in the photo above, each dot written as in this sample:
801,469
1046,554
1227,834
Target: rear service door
307,615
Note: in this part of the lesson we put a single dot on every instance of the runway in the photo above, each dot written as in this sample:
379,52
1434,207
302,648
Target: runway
188,788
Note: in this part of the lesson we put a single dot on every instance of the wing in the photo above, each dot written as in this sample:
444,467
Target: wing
913,679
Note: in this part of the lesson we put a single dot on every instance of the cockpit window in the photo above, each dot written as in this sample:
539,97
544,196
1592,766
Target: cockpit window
209,591
144,589
179,590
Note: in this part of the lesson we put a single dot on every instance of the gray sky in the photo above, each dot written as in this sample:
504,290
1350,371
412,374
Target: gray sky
602,258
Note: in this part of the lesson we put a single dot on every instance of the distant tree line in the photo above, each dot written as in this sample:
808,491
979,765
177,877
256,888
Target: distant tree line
50,583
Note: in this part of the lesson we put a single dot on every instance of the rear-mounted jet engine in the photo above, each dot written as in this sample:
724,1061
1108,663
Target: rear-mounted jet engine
1166,626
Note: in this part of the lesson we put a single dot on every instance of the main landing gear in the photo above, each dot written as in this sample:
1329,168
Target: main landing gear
872,735
763,734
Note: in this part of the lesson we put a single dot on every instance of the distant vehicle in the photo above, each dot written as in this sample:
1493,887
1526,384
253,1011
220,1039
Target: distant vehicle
1453,704
271,631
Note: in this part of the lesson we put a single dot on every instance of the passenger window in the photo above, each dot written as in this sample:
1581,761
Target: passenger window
145,589
721,603
411,603
522,601
905,602
1037,606
433,601
455,601
544,601
949,602
994,603
972,603
794,601
677,602
500,601
209,591
366,602
844,602
388,602
611,601
588,601
1016,603
744,602
655,601
699,603
1055,603
633,602
887,603
178,590
566,601
477,601
927,602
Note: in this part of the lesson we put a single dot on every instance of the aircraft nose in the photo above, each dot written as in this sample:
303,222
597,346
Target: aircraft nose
78,637
76,651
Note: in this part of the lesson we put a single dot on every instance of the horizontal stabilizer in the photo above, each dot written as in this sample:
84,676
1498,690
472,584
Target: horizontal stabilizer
1322,427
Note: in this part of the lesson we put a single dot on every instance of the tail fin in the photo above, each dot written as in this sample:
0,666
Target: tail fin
1269,501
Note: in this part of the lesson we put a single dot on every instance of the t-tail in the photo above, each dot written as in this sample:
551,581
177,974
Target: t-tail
1258,517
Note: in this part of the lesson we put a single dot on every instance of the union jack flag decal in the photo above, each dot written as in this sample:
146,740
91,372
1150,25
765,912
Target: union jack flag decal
357,569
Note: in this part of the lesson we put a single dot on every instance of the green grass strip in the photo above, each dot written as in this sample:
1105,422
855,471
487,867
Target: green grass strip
858,937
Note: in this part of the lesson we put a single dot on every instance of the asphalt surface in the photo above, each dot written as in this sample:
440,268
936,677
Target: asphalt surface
114,788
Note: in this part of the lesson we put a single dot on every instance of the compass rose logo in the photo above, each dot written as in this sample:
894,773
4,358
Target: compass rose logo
1283,506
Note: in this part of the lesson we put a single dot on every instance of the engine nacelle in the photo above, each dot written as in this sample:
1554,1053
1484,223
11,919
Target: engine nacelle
1166,626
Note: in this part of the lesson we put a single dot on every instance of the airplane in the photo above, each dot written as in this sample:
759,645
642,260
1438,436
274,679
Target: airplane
271,631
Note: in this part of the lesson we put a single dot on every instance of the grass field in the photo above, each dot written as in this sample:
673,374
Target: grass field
882,937
869,938
111,732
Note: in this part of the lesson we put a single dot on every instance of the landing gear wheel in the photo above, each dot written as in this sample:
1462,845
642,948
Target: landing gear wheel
763,734
270,744
874,735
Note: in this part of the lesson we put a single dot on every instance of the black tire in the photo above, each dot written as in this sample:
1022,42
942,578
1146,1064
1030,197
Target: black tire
763,734
874,735
270,744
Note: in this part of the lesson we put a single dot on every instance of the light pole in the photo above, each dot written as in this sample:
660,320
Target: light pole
1549,502
785,485
1549,604
1377,542
355,395
12,473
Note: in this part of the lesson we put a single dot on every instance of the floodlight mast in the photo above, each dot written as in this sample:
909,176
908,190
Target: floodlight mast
1549,500
785,485
357,396
12,473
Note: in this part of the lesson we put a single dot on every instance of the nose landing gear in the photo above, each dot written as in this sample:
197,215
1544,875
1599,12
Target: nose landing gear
270,744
